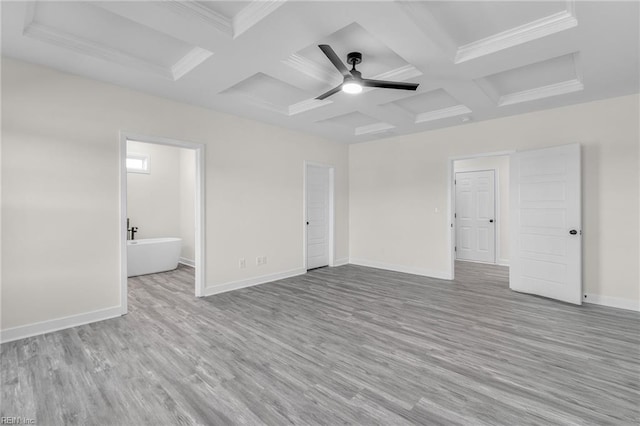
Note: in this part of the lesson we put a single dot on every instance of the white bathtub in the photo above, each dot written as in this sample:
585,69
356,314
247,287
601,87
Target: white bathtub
151,255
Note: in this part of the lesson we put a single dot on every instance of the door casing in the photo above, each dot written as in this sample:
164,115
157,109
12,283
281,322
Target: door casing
200,201
451,235
331,169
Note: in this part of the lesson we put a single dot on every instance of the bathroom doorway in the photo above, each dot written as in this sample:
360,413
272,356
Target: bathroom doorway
165,224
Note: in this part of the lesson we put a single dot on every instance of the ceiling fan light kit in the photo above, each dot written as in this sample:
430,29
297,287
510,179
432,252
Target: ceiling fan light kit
351,87
353,82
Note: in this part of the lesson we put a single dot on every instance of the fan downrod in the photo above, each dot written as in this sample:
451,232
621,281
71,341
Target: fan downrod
354,58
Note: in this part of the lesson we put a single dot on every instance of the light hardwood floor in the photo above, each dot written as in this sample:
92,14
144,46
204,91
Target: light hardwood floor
345,345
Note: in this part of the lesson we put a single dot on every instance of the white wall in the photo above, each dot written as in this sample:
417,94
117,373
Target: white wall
153,199
60,191
161,203
499,163
187,179
397,183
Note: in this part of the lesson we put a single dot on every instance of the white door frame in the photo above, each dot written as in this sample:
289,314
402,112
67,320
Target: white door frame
451,239
331,211
199,208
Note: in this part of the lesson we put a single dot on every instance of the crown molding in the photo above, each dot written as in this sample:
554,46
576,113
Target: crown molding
561,88
442,113
253,13
524,33
312,69
373,128
193,9
86,47
260,102
294,109
307,105
191,60
249,16
399,74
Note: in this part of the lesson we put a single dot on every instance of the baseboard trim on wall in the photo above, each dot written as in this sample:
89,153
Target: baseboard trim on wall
503,262
44,327
250,282
401,268
340,262
188,262
612,302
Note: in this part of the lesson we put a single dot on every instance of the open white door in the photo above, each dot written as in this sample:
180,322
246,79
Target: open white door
546,234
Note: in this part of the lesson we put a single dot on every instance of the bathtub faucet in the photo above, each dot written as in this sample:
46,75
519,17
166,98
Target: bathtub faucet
131,231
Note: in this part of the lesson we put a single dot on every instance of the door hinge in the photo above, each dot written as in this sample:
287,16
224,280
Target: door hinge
455,248
455,215
455,181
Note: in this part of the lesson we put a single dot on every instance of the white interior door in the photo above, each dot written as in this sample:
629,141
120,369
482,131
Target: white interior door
317,216
475,216
546,235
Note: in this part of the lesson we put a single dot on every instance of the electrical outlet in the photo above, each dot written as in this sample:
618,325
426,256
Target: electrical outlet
264,260
242,263
258,261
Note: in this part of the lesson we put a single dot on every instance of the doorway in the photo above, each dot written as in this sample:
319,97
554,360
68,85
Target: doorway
318,220
480,208
197,213
537,218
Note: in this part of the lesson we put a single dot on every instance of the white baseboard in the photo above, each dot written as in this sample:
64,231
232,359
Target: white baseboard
188,262
503,262
612,302
235,285
401,268
340,262
24,331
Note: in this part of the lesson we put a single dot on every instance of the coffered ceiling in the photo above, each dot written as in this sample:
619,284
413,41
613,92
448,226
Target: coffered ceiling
474,60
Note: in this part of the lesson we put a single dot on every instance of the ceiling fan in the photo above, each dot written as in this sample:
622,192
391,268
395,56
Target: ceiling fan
353,81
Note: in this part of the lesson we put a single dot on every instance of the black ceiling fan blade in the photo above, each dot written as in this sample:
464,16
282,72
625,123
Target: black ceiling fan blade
335,60
389,84
329,93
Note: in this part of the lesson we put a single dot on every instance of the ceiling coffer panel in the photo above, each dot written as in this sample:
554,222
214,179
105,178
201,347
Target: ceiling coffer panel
539,80
469,30
424,102
231,18
358,123
434,105
470,21
269,92
88,29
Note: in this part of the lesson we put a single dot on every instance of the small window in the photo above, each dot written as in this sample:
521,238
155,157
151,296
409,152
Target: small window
137,163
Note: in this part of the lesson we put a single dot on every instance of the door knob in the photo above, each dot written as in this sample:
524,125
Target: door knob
490,220
307,223
573,232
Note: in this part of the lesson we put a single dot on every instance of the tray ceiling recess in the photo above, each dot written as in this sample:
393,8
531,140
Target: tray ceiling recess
89,30
473,60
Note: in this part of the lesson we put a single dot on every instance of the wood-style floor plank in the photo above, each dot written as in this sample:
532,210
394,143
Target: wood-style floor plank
345,345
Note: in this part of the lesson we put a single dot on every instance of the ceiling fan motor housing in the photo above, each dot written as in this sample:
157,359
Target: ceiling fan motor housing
354,58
